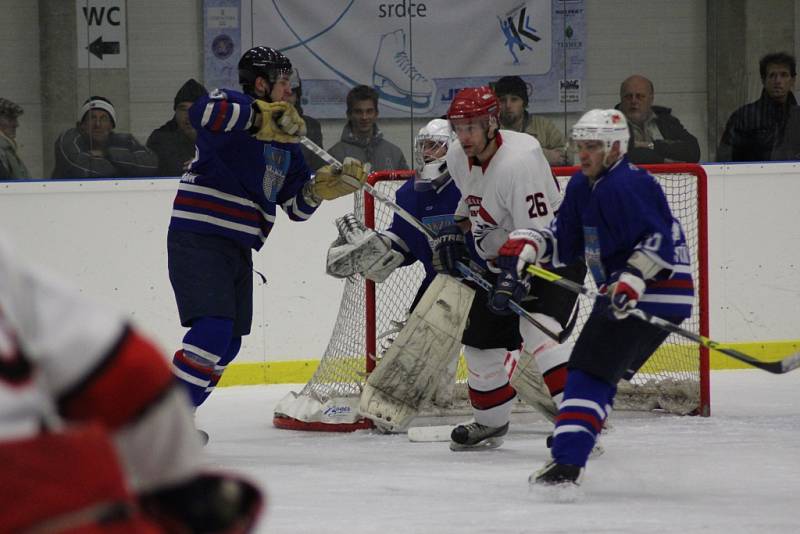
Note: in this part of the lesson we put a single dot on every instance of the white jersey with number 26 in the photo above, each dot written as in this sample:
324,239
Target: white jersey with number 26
515,189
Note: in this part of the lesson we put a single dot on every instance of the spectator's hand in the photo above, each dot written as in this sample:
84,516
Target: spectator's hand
279,122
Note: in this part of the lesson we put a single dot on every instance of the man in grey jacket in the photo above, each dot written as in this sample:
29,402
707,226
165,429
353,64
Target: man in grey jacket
361,137
94,150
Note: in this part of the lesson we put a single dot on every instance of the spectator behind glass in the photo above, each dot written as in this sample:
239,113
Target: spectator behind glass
512,94
656,135
93,150
754,130
313,128
11,165
173,142
361,137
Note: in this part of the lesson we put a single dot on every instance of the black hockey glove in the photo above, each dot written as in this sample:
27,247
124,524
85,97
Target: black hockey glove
209,503
449,248
508,287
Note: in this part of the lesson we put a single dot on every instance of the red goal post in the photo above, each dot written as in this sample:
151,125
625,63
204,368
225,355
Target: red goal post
675,380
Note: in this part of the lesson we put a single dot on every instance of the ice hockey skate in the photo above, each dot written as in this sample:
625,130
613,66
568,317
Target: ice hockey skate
475,436
396,79
554,474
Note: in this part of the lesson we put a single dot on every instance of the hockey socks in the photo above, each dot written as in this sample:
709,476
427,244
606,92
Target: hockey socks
204,346
580,417
219,368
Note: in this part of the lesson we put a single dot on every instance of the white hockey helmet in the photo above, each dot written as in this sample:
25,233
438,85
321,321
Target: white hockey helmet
430,149
606,125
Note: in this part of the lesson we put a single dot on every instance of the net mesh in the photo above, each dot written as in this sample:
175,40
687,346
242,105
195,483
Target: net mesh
670,380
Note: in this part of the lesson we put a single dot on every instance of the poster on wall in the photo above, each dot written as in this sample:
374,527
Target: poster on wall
417,55
222,42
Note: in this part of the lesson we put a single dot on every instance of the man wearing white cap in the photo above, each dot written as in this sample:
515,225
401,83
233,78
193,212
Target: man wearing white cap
93,150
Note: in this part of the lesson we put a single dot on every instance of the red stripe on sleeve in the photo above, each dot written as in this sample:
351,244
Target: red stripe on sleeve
222,111
127,382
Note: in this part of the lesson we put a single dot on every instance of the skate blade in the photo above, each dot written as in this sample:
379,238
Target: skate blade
487,444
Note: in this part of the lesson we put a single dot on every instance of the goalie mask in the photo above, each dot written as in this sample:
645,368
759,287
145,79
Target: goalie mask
430,149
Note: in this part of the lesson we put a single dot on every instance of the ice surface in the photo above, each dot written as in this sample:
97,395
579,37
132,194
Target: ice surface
735,472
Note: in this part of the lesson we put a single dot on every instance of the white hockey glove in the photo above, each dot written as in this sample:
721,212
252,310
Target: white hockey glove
523,248
360,250
626,292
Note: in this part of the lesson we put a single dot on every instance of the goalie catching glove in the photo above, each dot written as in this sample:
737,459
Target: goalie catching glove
330,182
360,250
279,122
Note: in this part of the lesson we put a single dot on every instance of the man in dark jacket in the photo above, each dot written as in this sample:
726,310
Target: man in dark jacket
656,135
361,137
94,150
174,141
756,131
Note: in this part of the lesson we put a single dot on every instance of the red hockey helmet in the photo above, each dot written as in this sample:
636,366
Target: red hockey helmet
473,102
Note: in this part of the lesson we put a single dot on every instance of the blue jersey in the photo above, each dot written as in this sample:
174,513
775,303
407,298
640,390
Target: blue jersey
235,180
624,211
435,208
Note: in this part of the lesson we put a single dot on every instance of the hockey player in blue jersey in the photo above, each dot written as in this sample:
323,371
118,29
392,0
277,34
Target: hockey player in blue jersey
248,162
616,217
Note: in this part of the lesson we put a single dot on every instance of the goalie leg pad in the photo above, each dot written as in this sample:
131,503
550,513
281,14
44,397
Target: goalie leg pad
529,384
409,372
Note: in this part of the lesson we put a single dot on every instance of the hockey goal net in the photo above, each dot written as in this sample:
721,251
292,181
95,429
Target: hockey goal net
675,379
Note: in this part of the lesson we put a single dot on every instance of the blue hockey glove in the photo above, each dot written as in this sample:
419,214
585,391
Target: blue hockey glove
449,247
626,292
508,287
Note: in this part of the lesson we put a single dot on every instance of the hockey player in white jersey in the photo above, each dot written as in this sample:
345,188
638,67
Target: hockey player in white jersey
505,183
95,434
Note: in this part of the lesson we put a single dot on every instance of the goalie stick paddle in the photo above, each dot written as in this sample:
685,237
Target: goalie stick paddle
464,269
789,363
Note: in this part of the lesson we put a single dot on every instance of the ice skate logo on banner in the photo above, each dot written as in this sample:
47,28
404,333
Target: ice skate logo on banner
395,78
516,27
398,82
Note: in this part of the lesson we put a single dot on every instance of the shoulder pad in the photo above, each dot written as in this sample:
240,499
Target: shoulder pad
217,94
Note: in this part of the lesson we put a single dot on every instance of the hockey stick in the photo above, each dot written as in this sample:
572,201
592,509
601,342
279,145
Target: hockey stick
413,221
785,365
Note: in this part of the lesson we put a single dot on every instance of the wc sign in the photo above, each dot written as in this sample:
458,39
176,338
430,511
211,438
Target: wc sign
101,34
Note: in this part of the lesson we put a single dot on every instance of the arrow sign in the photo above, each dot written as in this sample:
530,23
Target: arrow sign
98,47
